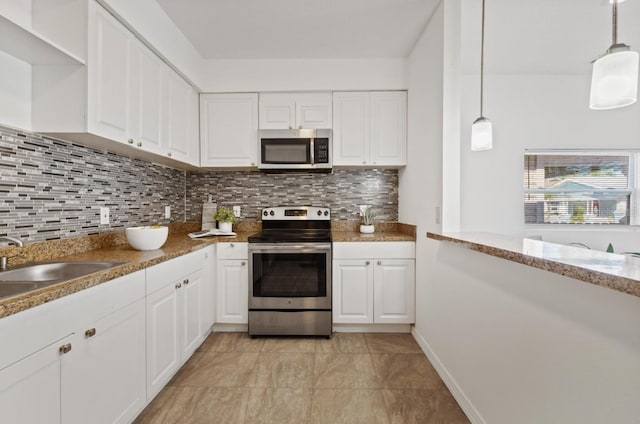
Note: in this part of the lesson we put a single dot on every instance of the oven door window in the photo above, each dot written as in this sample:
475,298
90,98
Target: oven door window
289,275
286,151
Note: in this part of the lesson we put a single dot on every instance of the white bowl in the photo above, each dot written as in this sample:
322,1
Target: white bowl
147,238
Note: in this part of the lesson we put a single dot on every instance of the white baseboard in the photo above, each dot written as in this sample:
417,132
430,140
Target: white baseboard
466,405
230,328
372,328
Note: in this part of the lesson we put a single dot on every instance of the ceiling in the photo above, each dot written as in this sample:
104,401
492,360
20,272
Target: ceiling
285,29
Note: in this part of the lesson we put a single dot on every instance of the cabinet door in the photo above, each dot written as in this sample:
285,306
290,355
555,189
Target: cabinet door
194,128
30,388
277,111
232,292
228,129
146,104
105,380
313,110
351,128
163,338
394,291
207,301
389,128
177,94
352,291
109,76
190,295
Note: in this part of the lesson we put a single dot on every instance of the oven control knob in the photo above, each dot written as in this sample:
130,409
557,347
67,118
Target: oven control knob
319,213
326,213
265,213
272,213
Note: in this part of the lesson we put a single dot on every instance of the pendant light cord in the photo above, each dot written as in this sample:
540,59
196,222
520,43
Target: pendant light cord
614,22
482,62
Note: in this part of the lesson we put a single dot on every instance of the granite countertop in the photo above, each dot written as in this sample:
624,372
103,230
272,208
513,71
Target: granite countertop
616,272
349,232
176,245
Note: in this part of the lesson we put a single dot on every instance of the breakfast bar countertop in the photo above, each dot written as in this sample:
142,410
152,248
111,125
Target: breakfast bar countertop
613,271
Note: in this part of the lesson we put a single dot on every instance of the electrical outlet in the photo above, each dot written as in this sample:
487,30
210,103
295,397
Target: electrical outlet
167,212
237,211
104,216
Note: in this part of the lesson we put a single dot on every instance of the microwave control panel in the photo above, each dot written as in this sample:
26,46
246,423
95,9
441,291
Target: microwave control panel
321,150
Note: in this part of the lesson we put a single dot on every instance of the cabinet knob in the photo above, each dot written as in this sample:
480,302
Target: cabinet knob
65,348
130,141
178,285
243,263
253,164
379,262
232,245
299,127
374,162
367,263
139,144
364,162
169,154
90,333
185,282
290,127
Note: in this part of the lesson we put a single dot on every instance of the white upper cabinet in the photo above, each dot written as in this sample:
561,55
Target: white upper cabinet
295,110
125,100
370,128
228,129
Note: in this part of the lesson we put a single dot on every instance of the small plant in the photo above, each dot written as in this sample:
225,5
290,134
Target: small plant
368,215
225,215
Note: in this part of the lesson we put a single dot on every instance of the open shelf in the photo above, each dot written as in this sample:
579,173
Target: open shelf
32,47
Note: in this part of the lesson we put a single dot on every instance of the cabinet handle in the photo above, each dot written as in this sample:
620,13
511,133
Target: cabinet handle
379,262
139,144
367,263
130,141
178,285
232,245
290,127
185,282
169,154
243,263
90,333
65,348
299,127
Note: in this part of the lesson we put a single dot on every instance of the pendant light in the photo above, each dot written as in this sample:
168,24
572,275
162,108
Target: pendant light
482,128
614,82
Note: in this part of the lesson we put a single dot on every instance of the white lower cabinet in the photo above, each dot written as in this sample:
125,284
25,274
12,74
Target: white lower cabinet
232,306
374,283
94,374
174,317
33,381
103,380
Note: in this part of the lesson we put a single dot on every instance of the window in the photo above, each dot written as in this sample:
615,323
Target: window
579,188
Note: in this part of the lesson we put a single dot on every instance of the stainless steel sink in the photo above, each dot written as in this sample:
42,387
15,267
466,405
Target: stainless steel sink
36,276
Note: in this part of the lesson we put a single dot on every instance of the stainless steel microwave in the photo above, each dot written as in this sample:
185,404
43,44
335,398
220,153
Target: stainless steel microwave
297,149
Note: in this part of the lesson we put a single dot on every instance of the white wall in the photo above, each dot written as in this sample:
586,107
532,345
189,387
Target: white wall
305,74
522,345
15,92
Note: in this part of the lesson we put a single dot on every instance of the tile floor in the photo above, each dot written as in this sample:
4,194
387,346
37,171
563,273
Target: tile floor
352,378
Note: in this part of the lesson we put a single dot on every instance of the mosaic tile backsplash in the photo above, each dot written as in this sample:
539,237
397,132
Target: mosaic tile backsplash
341,190
51,189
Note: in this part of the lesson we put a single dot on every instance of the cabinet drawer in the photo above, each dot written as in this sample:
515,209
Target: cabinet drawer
374,250
232,251
165,273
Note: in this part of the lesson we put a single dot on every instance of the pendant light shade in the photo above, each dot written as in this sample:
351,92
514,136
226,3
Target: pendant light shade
481,134
614,82
482,129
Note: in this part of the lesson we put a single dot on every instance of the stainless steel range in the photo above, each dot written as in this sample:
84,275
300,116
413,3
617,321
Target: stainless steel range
290,272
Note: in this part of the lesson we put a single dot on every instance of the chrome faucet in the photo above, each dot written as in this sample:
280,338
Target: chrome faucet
4,259
584,246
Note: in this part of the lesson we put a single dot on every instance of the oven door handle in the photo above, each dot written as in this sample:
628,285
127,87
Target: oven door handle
303,247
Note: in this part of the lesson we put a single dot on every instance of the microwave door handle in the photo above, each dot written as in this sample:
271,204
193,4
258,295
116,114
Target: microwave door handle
311,146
